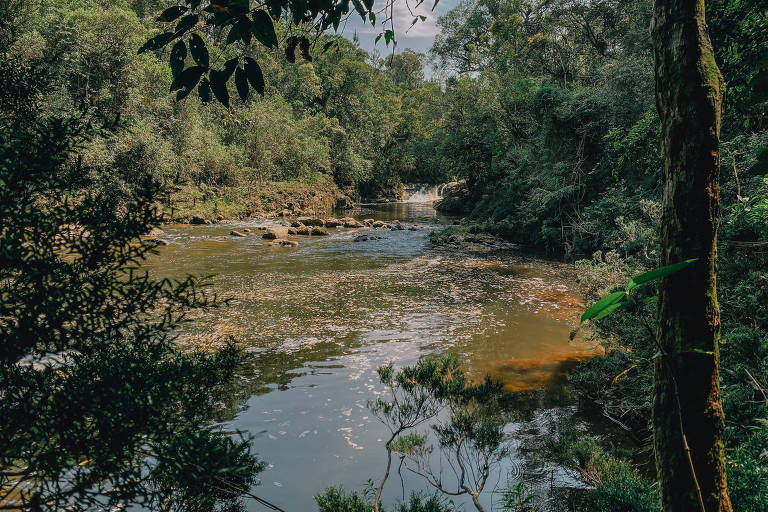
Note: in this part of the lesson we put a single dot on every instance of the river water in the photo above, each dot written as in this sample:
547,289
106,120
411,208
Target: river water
318,319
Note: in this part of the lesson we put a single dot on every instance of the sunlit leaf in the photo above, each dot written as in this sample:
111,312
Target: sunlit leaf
658,273
607,311
603,303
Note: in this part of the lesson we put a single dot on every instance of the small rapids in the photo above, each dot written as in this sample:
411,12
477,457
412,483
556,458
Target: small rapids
423,193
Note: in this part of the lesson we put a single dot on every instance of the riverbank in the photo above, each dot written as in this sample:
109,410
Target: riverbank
267,199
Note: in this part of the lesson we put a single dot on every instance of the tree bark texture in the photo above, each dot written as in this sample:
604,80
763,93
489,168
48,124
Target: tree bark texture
689,97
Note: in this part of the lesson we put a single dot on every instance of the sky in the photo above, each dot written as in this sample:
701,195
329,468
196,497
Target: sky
418,37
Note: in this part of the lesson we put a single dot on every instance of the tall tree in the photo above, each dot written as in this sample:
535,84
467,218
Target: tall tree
687,410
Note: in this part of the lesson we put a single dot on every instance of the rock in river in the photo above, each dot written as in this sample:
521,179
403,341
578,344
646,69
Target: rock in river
311,221
284,243
236,234
278,232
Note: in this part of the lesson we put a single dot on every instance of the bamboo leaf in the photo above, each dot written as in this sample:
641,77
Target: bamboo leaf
658,273
602,304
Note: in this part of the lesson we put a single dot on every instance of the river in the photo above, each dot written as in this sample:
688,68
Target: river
318,319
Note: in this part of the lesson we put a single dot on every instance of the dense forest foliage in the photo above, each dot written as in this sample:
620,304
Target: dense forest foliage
544,111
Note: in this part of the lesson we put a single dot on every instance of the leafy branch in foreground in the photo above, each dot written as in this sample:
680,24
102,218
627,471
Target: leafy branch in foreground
100,406
191,23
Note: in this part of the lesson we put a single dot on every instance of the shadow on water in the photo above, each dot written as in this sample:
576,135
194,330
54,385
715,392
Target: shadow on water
318,319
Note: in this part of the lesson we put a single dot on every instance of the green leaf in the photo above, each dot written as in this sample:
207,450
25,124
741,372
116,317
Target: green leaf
241,83
290,49
304,47
359,8
264,29
244,26
377,38
275,8
186,81
219,87
187,78
388,36
607,311
229,68
176,60
602,304
186,23
298,8
198,50
658,273
254,74
204,90
234,34
171,13
372,18
156,42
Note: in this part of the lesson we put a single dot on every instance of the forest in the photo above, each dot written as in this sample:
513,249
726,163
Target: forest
557,130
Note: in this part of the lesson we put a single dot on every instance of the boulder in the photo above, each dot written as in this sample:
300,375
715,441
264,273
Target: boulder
246,230
333,223
281,242
237,234
292,231
303,230
155,232
311,221
378,224
353,224
365,238
319,232
275,233
368,222
198,219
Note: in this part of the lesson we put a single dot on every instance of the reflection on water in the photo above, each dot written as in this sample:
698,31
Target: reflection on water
319,318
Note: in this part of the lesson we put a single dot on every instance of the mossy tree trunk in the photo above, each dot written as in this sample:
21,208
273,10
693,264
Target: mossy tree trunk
687,410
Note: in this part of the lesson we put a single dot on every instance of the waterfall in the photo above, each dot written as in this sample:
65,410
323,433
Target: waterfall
423,193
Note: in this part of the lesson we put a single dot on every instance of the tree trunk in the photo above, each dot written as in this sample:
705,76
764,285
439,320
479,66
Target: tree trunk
687,411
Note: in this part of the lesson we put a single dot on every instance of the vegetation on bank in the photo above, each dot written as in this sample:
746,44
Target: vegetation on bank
569,130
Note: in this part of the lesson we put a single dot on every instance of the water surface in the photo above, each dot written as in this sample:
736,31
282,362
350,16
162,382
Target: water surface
318,319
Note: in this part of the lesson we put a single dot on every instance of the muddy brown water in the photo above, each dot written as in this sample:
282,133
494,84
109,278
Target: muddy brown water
318,319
